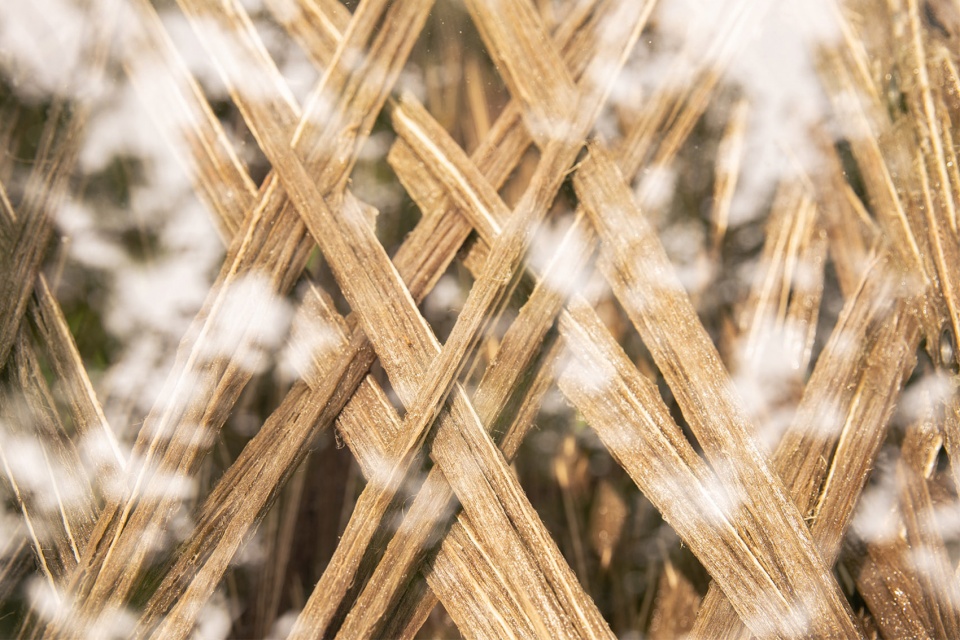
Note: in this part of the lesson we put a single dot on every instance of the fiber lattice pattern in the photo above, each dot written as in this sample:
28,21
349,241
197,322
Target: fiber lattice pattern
443,517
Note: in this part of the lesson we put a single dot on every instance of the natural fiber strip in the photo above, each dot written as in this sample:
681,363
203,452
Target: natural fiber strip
85,410
56,528
918,458
889,584
642,278
939,213
825,456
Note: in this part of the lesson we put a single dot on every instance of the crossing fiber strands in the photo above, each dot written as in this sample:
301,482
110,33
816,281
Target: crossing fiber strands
490,318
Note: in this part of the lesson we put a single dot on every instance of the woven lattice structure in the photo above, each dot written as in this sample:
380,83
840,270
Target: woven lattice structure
764,502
